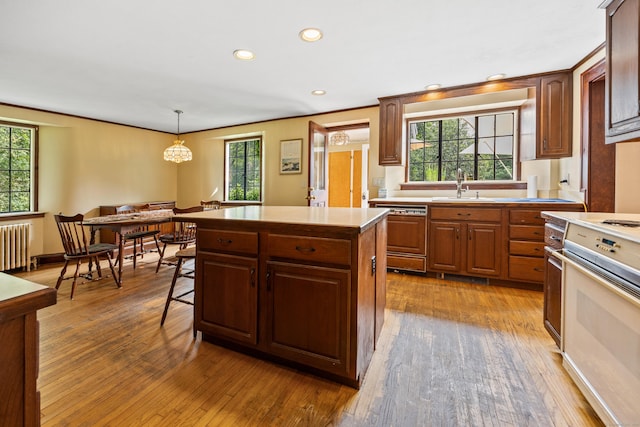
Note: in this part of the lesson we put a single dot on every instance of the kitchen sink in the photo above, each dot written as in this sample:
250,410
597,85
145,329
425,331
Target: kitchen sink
462,199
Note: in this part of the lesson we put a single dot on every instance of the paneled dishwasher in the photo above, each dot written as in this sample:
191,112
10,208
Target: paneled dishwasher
406,237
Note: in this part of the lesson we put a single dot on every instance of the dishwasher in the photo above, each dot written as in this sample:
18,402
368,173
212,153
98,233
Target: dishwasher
406,237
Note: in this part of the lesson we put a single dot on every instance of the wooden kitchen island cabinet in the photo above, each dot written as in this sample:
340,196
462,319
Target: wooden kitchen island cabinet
298,285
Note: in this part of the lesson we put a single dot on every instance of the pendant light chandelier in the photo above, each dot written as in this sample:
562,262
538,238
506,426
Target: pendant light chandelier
178,153
339,138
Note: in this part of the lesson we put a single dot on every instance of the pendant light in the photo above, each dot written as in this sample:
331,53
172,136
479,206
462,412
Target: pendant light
339,138
178,153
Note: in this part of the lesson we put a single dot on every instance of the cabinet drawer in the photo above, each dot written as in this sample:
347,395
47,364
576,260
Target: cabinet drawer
227,241
314,249
467,214
526,232
525,216
526,268
518,247
407,263
553,236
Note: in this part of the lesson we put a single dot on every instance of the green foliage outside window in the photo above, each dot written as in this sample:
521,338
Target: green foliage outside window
15,168
481,145
245,170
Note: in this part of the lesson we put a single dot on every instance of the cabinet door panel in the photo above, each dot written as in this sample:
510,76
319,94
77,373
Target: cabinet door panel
483,249
444,246
228,294
308,314
555,116
553,297
406,234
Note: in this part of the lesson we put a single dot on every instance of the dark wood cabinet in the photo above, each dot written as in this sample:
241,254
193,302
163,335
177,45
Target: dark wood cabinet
552,310
526,245
390,143
622,112
303,298
229,305
303,293
407,242
19,359
465,241
554,119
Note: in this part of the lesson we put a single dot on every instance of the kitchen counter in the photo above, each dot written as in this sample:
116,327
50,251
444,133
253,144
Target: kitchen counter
492,201
303,286
594,221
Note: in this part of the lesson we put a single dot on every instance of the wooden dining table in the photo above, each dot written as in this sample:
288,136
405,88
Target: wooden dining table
123,223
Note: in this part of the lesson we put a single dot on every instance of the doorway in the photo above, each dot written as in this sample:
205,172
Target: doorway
598,158
348,168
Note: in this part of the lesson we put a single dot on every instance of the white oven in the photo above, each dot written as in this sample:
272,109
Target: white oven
601,320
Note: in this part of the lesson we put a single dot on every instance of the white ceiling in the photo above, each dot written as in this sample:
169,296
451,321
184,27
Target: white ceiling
136,61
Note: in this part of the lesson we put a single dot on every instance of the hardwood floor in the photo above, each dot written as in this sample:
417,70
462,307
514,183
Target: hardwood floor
450,354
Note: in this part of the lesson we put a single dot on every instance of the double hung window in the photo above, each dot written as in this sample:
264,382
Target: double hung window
17,167
244,169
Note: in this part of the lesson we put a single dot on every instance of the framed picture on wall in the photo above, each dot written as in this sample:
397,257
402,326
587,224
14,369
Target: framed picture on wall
291,156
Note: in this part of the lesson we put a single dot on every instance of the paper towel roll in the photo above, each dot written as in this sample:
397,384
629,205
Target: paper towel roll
532,187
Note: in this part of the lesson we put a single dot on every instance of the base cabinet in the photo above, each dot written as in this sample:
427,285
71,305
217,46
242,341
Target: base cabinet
553,297
407,242
229,306
299,294
302,299
465,241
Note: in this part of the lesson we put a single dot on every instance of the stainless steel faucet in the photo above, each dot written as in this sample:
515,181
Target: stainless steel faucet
459,179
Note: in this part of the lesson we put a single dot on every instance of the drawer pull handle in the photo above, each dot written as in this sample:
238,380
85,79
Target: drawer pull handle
555,238
305,249
225,241
464,214
539,270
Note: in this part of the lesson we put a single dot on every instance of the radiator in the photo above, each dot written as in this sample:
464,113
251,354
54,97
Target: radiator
14,246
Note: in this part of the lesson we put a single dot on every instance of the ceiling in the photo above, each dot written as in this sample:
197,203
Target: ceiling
135,62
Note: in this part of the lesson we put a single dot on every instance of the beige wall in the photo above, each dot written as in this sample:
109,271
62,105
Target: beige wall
203,177
84,164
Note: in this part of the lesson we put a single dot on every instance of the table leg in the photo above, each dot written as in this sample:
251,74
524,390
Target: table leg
120,257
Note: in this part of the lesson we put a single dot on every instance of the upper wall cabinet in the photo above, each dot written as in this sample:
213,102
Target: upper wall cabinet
554,117
391,146
622,113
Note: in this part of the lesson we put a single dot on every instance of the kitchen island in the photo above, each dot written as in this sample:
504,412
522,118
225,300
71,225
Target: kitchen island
298,285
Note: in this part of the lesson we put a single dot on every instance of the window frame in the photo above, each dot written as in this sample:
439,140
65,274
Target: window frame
227,167
33,203
480,184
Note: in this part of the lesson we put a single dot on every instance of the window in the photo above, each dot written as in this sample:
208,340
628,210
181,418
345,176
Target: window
17,167
244,169
482,145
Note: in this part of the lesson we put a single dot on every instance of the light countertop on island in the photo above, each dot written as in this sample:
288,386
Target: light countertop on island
355,218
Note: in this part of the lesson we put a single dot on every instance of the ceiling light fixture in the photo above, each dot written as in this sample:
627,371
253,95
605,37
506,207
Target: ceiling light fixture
339,138
496,77
433,86
310,34
318,92
178,153
243,54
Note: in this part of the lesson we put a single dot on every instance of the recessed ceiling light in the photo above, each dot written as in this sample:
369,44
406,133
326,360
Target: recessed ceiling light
496,77
310,34
318,92
433,86
243,54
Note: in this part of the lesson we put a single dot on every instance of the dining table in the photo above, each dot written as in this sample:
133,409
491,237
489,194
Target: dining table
123,223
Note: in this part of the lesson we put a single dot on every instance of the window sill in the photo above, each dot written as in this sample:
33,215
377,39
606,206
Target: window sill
473,185
20,215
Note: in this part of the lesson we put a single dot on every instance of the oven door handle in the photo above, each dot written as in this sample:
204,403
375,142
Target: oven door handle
603,281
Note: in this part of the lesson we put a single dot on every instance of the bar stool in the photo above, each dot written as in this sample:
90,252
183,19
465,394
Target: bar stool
182,255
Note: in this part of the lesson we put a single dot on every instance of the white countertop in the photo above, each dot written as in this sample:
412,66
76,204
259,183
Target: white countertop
593,220
342,217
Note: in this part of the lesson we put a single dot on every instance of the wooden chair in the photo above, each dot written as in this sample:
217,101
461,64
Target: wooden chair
210,204
138,234
184,233
183,256
77,248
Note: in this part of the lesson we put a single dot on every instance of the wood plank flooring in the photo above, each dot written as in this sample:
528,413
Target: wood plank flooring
451,353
